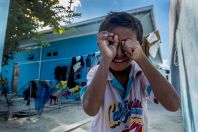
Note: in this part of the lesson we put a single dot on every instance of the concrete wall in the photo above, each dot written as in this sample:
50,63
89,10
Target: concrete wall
183,24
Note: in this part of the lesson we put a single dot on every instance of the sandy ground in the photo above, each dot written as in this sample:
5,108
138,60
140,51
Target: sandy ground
71,112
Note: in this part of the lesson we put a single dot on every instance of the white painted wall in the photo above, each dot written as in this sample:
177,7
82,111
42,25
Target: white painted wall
183,27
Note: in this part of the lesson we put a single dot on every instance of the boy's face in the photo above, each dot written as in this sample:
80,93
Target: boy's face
121,61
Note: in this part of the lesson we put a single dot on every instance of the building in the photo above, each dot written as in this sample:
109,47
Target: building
41,63
183,29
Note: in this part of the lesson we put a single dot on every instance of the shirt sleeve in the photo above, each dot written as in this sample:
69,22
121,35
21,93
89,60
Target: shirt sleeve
90,76
147,89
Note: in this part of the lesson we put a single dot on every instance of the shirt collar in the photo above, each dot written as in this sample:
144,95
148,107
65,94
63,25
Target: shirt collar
135,71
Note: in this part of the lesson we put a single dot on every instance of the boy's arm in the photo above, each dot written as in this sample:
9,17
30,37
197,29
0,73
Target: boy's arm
162,89
94,94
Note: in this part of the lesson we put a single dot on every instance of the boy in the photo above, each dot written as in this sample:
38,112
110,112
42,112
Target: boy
119,87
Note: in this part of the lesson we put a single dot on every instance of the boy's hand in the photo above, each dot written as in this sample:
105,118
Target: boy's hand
107,43
133,50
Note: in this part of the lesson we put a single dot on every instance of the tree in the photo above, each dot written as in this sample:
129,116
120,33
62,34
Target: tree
26,16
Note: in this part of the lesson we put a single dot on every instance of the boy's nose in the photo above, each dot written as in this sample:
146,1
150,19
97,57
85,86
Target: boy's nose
120,51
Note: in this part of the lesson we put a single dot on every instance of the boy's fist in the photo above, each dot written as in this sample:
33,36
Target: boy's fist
107,43
133,49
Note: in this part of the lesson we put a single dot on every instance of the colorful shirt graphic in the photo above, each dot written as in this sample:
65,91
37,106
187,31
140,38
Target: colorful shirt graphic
123,110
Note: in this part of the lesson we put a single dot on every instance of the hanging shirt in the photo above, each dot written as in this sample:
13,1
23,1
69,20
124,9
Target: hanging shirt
123,111
88,60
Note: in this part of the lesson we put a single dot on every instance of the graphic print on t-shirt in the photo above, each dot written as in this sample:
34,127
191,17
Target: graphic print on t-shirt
129,113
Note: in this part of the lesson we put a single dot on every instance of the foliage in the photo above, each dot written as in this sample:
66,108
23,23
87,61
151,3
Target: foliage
27,16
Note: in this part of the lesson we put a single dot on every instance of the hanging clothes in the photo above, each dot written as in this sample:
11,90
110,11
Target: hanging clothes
96,57
71,82
66,93
77,66
77,63
88,60
58,72
78,74
92,59
43,95
74,89
64,73
33,86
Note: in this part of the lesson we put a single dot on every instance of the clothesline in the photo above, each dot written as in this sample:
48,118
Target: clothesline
44,90
68,58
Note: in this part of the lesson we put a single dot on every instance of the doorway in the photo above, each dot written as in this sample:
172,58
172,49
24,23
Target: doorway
15,78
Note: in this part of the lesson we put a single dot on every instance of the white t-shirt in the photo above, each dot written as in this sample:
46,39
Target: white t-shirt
123,111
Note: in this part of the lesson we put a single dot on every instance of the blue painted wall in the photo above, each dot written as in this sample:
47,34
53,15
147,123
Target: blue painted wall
72,47
27,72
29,69
67,49
7,73
20,58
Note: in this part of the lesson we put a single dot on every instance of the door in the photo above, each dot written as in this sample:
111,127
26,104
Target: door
15,78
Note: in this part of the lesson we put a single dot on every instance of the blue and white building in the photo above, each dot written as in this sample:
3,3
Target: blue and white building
40,62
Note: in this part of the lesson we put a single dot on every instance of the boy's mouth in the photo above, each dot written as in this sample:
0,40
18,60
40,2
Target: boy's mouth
120,60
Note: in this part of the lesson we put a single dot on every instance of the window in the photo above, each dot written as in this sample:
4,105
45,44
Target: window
49,54
52,53
30,57
55,53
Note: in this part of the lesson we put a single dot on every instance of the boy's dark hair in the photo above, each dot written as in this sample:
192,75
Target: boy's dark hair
123,19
